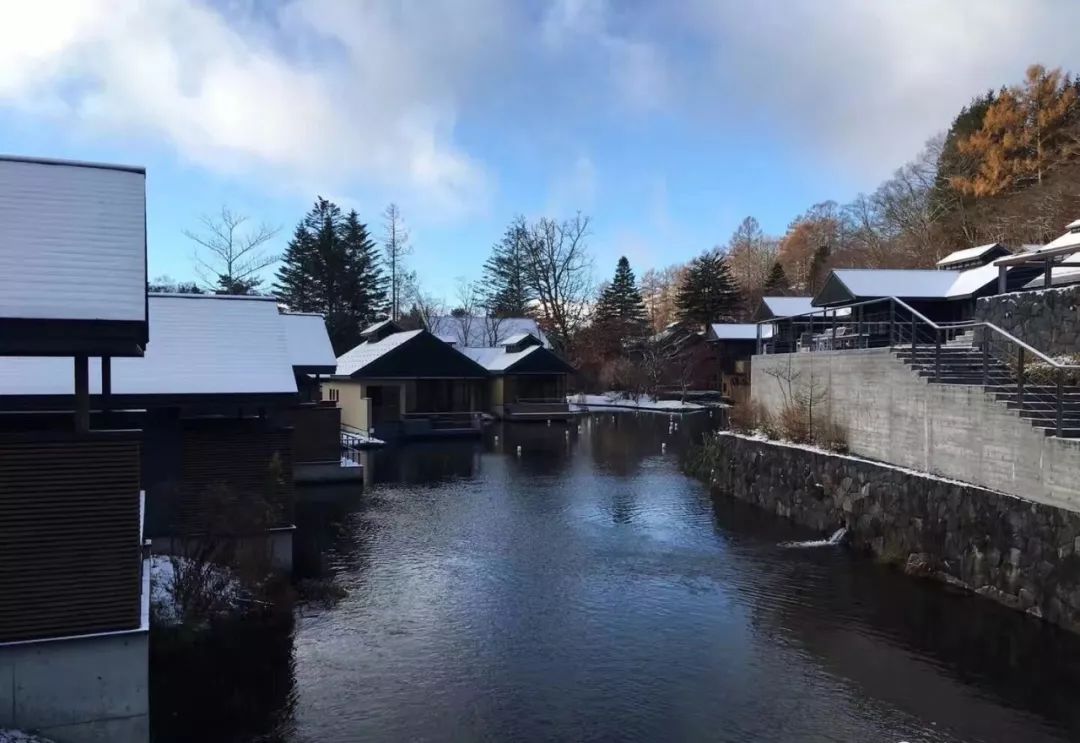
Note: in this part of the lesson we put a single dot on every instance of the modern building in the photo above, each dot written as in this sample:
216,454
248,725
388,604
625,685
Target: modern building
74,582
732,345
980,255
527,381
407,384
214,395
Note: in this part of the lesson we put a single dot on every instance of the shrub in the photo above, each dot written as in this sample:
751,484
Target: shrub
828,434
794,424
745,416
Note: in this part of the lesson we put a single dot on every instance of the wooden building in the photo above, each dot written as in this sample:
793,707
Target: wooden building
527,381
216,397
732,346
407,384
74,585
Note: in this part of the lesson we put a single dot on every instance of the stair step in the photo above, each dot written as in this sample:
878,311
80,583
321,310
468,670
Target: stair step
1044,406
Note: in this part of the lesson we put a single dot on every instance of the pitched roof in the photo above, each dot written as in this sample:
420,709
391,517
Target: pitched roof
357,358
478,332
72,241
738,331
971,254
308,342
533,359
788,306
200,345
853,284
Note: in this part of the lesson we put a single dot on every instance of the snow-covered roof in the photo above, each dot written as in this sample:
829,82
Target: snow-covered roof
356,359
516,338
1059,277
496,359
308,341
738,331
72,241
896,282
478,332
788,306
377,326
972,280
969,254
200,345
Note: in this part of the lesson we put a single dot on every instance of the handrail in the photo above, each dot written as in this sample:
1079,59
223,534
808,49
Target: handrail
1028,347
927,321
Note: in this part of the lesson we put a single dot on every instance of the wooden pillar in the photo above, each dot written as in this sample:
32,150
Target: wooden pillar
106,383
82,394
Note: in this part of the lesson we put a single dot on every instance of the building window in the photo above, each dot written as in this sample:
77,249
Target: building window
334,394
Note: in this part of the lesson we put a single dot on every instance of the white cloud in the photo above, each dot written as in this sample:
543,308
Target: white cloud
869,82
321,92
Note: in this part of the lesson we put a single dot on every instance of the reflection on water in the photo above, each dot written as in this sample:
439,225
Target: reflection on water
587,590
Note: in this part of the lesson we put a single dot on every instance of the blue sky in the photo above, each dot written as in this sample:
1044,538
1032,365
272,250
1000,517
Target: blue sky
667,123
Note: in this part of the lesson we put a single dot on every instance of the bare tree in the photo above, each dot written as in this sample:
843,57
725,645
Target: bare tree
427,306
470,301
395,248
560,270
659,289
229,256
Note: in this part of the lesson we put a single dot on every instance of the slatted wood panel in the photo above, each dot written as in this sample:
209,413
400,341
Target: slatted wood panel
235,454
69,537
316,433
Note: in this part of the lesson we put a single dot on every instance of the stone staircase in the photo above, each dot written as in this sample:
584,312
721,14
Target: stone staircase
961,362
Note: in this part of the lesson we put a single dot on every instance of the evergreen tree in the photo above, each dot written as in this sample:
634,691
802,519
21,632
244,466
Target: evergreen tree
708,293
366,286
818,265
331,267
621,307
295,280
508,291
776,285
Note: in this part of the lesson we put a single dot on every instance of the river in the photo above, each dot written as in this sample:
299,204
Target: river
585,589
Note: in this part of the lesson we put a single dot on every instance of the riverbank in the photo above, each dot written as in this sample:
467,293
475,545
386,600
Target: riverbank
642,403
1023,554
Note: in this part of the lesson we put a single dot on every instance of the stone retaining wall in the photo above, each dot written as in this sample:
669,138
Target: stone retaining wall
1048,320
1022,554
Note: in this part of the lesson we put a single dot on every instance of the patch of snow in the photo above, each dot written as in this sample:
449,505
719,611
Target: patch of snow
346,462
18,736
167,605
876,462
358,439
616,401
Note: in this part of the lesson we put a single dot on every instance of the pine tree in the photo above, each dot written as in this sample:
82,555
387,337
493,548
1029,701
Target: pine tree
365,284
621,307
776,285
818,264
708,293
295,281
331,267
508,291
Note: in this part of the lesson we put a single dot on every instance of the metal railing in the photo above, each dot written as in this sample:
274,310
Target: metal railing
1042,386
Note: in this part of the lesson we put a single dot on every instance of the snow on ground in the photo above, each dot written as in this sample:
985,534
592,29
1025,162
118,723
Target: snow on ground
163,598
17,736
616,401
346,462
359,440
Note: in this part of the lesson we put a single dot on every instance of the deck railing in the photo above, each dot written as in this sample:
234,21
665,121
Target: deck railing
1041,386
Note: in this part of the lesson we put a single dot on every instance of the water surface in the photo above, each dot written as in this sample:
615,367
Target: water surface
587,590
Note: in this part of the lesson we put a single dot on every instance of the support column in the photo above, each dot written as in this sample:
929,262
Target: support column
82,394
106,383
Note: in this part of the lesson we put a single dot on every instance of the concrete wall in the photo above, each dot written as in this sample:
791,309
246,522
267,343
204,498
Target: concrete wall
956,431
80,690
1048,320
1024,555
